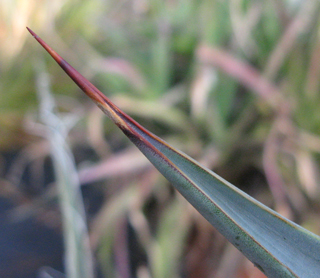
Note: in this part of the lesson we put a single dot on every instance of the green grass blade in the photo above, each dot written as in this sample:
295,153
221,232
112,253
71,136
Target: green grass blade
78,257
277,246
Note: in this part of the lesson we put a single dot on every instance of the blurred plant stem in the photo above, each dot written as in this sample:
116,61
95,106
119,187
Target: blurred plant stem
78,257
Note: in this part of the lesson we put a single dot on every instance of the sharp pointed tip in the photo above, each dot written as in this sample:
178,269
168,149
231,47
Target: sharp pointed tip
31,32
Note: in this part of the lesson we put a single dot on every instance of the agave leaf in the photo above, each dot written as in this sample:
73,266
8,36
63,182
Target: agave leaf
277,246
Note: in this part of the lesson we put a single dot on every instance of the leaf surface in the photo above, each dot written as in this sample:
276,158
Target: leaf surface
277,246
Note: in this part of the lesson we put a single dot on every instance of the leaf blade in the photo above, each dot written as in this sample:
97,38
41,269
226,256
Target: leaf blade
245,222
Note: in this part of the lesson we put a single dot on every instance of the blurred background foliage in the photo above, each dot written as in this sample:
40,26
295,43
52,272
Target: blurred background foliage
233,83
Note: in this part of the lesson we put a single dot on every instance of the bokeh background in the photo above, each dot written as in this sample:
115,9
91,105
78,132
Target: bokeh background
233,83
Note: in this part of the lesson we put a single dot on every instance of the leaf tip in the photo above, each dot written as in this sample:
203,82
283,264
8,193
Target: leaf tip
31,32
